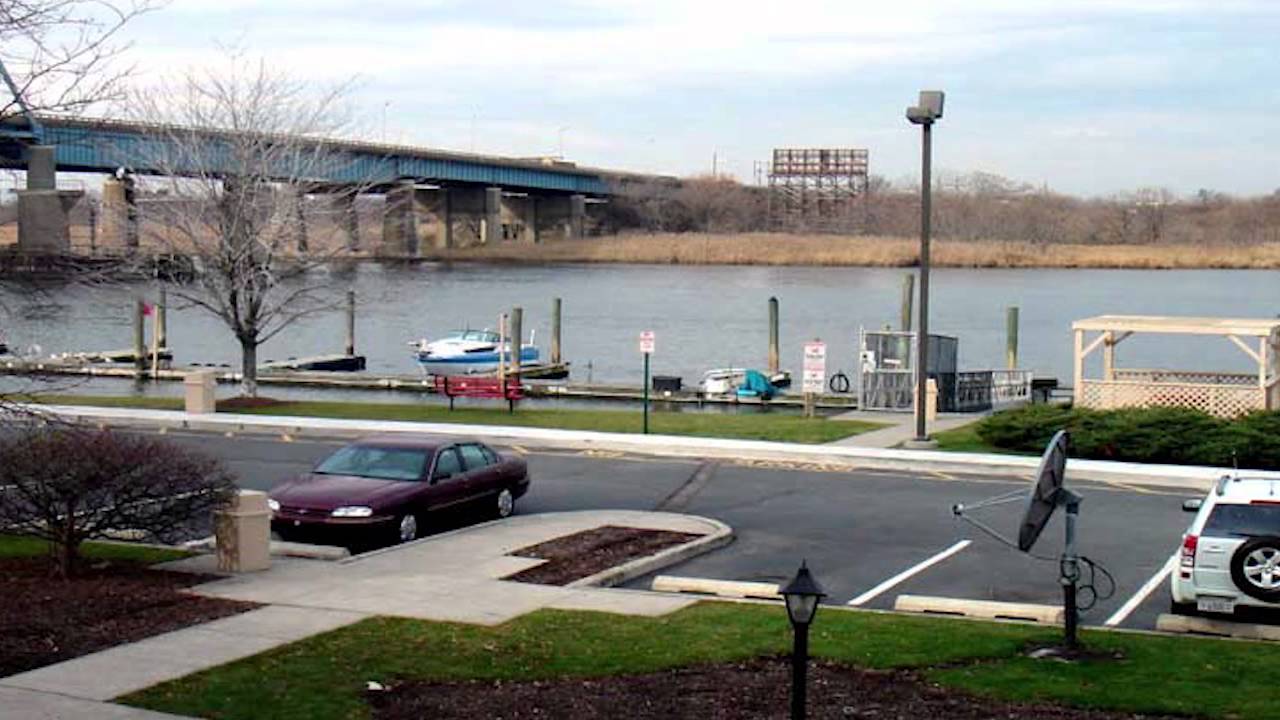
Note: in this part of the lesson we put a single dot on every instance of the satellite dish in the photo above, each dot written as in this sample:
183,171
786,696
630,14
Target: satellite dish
1043,498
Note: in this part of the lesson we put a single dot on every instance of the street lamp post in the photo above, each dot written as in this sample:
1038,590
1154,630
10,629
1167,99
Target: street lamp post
802,596
925,114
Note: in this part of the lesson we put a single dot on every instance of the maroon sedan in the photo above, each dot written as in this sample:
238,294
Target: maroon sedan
389,488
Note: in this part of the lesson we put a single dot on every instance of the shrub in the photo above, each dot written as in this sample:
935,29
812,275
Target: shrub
67,484
1179,436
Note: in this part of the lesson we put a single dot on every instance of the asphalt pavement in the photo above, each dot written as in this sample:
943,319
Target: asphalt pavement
869,536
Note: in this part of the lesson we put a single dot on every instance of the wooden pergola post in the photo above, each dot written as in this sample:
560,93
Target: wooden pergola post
1077,382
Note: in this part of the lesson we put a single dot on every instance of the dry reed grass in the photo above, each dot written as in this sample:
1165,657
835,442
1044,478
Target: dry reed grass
829,250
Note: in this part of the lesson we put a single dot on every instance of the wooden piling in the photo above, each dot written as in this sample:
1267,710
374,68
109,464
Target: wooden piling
502,348
773,336
139,335
908,300
162,318
555,331
351,323
517,336
1011,337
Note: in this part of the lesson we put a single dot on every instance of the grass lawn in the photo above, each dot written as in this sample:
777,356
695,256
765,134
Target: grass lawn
965,439
754,426
21,546
324,676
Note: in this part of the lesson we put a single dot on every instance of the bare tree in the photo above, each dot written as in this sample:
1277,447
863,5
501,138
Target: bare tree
240,148
61,55
68,484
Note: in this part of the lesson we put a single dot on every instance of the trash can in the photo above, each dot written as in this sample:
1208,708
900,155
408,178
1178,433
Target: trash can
200,387
243,533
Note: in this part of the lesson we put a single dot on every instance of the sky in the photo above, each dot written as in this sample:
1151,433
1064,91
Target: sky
1084,96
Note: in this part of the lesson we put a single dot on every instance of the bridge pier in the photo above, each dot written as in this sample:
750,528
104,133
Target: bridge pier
44,212
562,217
400,223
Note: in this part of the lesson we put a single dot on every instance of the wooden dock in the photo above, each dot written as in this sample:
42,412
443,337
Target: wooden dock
413,383
323,363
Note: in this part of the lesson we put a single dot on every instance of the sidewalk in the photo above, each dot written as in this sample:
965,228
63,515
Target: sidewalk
854,457
452,577
902,427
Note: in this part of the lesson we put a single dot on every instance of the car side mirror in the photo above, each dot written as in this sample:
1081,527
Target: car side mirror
1192,505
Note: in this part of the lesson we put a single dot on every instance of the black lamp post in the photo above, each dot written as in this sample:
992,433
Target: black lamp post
802,595
925,115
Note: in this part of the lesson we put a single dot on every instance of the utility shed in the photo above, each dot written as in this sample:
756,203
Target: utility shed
1224,394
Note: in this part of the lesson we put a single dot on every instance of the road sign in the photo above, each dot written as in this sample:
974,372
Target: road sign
815,367
646,342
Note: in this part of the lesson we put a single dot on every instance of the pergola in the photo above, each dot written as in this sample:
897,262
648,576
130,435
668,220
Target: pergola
1217,393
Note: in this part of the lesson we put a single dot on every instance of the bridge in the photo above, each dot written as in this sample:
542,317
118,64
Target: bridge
434,198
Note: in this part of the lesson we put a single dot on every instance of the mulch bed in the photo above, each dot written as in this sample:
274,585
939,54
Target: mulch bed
44,620
586,553
758,688
247,403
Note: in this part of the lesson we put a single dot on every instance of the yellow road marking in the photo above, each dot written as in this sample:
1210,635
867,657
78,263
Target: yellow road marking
519,450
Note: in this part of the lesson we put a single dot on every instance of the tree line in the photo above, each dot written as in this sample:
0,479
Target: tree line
972,206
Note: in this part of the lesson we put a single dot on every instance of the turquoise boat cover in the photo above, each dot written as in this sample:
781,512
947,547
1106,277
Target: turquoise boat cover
755,384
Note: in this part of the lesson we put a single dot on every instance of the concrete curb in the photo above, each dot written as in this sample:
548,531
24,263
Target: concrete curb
721,536
1196,478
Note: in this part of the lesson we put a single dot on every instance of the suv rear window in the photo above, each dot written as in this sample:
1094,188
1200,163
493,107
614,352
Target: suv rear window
1243,521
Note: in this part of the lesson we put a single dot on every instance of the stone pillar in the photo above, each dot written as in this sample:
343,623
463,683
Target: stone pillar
531,220
44,221
577,216
430,207
42,168
113,216
349,219
467,216
492,215
399,223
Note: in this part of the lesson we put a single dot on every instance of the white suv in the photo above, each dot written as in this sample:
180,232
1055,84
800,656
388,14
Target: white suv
1231,553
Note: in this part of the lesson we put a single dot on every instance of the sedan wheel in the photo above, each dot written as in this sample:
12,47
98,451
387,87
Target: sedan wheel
408,529
506,503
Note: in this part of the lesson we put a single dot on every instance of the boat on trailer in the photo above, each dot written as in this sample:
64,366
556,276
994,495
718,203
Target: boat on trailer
469,352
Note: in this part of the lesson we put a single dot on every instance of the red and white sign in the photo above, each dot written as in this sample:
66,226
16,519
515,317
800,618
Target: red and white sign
646,342
815,367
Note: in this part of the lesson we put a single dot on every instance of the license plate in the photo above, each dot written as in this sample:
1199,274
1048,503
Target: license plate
1215,604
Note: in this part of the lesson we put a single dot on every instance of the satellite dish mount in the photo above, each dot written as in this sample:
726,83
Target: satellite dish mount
1047,495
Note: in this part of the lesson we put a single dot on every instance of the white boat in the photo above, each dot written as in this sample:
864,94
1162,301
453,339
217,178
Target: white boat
727,381
467,352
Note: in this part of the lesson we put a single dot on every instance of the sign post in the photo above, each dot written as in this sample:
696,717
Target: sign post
646,349
815,374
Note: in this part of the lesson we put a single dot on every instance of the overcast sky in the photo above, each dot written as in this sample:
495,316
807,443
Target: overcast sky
1089,97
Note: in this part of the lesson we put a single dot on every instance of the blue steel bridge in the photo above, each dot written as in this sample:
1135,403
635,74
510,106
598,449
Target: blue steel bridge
434,198
102,146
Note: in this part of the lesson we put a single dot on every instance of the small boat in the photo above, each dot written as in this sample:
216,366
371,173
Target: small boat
742,382
467,352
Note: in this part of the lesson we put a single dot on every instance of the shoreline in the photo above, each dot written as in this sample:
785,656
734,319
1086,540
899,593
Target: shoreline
779,249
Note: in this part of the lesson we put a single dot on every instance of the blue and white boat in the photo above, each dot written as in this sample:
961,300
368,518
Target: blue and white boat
467,352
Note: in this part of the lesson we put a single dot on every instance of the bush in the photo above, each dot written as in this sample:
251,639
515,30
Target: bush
1178,436
67,484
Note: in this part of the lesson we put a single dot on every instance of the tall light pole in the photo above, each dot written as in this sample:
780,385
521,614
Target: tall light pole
924,114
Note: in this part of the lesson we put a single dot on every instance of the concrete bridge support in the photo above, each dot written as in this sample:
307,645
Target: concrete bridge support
562,217
400,223
44,212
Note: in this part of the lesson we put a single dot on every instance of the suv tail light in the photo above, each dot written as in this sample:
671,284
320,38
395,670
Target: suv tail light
1189,543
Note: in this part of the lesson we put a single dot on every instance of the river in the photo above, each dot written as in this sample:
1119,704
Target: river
703,316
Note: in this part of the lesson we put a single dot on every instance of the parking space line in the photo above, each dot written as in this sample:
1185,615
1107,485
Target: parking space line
909,572
1132,603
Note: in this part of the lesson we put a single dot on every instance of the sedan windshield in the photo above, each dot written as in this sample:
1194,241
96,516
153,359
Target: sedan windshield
375,462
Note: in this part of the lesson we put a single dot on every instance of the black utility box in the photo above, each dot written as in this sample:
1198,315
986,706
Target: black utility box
666,383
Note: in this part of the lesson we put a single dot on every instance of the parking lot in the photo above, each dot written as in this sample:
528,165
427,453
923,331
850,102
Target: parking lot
868,536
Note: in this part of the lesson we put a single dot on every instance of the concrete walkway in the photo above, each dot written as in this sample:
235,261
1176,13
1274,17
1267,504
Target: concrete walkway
453,577
902,427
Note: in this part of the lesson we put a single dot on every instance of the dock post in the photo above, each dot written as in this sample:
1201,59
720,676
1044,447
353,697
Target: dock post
517,335
908,299
1011,337
555,331
351,323
139,336
162,318
502,349
773,336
